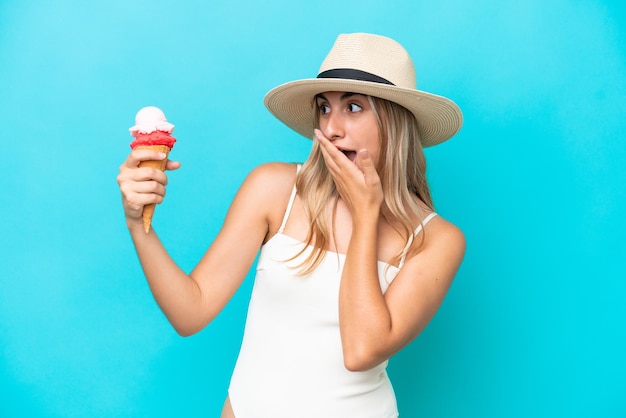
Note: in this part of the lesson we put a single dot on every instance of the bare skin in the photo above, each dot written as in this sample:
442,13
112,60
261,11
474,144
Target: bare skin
227,412
373,325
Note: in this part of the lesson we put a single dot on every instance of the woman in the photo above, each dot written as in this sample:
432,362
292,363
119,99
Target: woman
354,261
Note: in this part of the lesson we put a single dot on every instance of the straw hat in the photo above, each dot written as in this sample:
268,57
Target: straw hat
373,65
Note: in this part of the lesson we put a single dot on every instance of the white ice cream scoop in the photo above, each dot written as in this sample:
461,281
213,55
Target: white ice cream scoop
150,119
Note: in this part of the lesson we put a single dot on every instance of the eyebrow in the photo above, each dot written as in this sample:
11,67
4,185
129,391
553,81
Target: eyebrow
343,96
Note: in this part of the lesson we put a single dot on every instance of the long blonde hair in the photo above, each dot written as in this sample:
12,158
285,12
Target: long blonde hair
402,171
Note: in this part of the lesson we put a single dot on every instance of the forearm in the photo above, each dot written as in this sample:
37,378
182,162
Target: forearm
364,318
176,293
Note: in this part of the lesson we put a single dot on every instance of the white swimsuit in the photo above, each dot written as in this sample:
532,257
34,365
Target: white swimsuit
291,364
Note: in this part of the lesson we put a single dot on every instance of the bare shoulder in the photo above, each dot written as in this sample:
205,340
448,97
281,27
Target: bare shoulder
435,255
273,174
439,239
268,187
441,228
442,235
271,182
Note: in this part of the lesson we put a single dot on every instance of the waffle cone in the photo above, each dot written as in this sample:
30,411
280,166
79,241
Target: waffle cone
148,210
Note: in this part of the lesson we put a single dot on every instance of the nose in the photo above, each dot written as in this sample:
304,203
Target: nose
333,126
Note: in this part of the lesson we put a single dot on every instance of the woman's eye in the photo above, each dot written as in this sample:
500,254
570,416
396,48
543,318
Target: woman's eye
324,109
353,107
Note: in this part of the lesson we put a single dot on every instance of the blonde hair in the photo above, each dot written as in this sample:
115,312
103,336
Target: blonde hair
402,170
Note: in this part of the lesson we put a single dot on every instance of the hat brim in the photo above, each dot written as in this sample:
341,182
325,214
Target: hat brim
438,118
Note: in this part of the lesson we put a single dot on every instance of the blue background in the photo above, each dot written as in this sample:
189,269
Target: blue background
534,324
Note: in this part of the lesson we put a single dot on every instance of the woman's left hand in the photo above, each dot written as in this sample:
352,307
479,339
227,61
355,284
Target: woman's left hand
357,182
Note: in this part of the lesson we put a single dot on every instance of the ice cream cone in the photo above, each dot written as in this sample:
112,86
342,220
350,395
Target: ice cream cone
152,131
148,210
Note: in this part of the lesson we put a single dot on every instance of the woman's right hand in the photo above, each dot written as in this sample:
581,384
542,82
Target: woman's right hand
141,186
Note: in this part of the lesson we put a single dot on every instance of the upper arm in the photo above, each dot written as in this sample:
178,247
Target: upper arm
420,287
229,258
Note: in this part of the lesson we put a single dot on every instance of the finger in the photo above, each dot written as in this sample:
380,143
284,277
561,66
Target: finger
365,162
144,192
136,201
139,155
172,165
147,174
327,144
149,187
327,149
134,186
131,184
335,159
367,166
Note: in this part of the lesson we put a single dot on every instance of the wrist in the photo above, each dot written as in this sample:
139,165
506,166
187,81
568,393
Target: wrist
135,224
364,217
365,226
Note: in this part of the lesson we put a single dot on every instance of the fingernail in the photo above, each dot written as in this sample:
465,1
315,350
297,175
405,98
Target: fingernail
364,153
161,155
